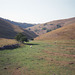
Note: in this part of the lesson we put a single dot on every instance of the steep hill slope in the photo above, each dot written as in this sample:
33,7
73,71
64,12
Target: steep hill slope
64,33
49,26
23,25
8,30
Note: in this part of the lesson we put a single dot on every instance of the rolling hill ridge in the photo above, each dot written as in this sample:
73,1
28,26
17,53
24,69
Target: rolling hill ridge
63,33
8,30
22,25
50,26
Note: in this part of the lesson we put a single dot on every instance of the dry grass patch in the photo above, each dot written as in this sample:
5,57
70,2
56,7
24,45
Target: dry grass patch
64,33
59,54
4,42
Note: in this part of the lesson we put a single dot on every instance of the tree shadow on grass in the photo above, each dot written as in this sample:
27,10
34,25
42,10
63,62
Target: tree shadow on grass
9,47
31,44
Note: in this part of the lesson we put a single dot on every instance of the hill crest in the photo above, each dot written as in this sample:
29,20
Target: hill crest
64,33
22,25
8,30
50,26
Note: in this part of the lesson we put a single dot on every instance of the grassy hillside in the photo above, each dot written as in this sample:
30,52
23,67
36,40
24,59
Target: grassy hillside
64,33
4,42
8,30
23,25
49,26
44,58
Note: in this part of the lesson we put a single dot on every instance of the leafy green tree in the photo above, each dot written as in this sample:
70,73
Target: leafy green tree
21,37
18,36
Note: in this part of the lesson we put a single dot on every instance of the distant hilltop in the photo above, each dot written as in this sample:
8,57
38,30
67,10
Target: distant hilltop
50,26
23,25
64,33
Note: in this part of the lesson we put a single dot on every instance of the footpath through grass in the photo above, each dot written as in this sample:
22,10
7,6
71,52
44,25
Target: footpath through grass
44,58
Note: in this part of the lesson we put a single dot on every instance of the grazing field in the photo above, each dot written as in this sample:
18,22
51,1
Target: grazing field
44,58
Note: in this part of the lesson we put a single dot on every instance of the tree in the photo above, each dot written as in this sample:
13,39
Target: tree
21,37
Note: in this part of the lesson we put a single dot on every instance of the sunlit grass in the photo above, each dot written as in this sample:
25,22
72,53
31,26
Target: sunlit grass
44,58
4,42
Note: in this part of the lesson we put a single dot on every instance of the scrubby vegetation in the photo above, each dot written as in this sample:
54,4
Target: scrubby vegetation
36,30
41,28
49,30
58,26
44,28
45,24
29,29
51,24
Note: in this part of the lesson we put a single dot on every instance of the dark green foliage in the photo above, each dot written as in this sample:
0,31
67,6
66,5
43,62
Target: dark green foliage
44,28
54,28
45,24
51,24
58,26
32,39
21,37
18,36
29,29
36,30
49,30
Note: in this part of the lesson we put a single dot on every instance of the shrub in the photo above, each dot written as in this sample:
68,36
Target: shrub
29,29
32,39
36,30
49,30
58,26
44,28
45,24
51,24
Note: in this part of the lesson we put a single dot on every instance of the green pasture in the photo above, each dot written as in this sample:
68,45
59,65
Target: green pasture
44,58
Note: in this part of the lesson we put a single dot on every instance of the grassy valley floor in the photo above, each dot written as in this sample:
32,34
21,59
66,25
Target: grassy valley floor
44,58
